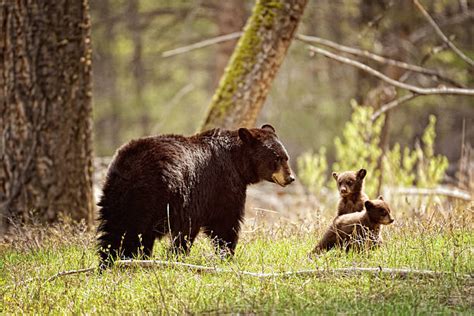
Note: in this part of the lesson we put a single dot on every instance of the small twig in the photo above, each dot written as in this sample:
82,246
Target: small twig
377,58
442,35
51,278
201,44
63,273
452,20
312,272
393,82
390,105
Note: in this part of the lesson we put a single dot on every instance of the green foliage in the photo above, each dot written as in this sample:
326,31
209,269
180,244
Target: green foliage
431,167
404,165
359,148
313,170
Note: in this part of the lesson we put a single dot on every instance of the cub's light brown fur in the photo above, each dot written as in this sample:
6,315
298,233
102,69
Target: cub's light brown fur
350,185
360,229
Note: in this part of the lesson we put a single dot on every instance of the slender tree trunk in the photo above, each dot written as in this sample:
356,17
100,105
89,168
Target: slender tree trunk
230,17
105,76
138,69
254,63
45,110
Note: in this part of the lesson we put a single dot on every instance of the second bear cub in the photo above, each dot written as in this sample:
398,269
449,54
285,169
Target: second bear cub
350,185
358,229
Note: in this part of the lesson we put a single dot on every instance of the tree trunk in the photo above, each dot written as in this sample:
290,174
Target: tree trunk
138,69
254,63
230,17
45,113
104,67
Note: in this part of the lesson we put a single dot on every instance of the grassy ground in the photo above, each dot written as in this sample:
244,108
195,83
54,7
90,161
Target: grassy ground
444,244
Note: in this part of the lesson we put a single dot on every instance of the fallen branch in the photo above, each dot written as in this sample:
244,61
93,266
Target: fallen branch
201,44
394,272
393,82
390,105
377,58
442,35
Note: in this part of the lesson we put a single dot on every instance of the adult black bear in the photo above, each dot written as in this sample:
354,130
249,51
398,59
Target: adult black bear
178,185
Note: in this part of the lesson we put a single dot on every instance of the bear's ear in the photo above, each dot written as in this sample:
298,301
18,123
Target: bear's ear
334,175
361,174
380,198
268,127
368,205
246,136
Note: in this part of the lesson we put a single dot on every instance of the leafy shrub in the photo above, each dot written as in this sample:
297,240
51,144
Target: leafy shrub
359,147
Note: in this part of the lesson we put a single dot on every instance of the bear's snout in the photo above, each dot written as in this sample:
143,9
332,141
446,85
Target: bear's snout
283,177
290,179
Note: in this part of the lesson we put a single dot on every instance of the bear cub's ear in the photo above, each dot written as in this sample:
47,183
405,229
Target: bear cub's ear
334,175
268,127
361,174
246,136
368,205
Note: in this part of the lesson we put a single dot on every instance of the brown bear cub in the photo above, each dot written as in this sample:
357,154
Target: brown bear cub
350,185
357,230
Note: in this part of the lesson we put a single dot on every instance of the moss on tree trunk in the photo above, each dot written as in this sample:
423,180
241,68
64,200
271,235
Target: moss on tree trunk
259,53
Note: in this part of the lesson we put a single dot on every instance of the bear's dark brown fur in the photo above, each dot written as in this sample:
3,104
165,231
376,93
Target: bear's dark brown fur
178,185
350,185
360,229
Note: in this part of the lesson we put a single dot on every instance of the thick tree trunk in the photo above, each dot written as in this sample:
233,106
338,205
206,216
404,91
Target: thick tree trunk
254,63
45,110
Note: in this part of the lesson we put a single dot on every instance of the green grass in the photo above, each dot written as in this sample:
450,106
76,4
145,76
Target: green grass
447,245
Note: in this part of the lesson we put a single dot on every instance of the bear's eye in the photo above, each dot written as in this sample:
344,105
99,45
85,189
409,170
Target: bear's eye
349,182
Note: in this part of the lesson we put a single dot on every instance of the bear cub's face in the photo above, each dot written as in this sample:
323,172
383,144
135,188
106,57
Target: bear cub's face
269,156
349,182
379,211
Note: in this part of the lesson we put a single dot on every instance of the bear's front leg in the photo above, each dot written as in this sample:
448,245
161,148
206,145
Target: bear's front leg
224,239
181,243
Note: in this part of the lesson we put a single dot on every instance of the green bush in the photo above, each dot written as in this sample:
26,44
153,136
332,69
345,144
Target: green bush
359,147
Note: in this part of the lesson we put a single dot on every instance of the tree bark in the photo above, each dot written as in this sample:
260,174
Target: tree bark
254,63
230,17
45,110
104,67
138,69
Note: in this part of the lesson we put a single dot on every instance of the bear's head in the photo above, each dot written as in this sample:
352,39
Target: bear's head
268,156
379,212
350,182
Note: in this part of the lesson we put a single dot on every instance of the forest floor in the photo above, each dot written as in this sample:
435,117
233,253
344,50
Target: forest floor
442,244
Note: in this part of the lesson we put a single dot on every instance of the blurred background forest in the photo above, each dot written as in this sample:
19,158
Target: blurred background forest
157,68
139,92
